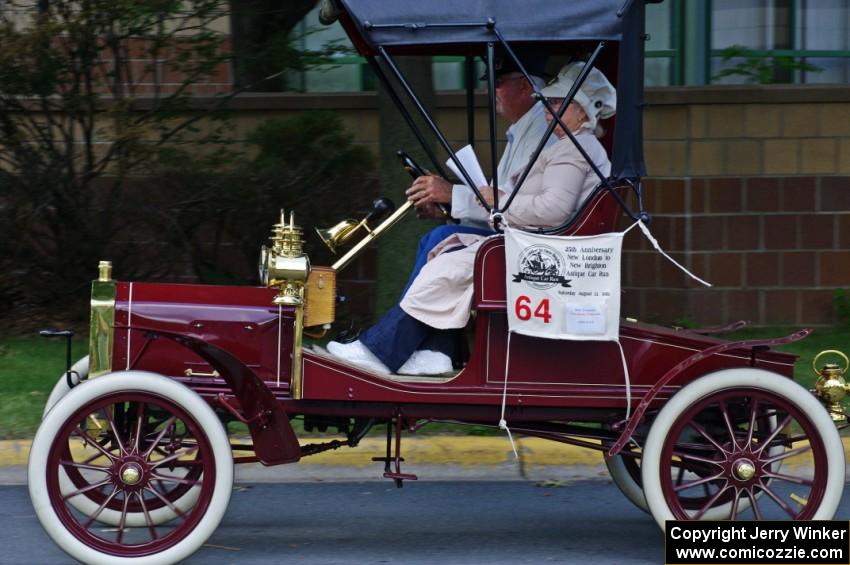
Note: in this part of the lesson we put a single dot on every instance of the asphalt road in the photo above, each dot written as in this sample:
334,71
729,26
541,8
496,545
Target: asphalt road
374,522
586,521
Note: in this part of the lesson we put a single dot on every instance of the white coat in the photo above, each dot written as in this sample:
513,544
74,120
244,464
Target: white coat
560,180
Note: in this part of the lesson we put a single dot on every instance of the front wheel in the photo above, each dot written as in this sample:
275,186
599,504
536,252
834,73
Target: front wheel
722,438
128,439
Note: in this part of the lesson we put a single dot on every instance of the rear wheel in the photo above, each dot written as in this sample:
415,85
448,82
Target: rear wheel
625,471
723,437
126,443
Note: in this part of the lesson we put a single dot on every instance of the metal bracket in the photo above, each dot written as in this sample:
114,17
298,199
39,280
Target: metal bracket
396,475
67,334
261,417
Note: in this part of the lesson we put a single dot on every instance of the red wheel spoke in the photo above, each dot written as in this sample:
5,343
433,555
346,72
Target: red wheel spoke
99,468
140,418
729,428
697,482
94,444
782,504
182,481
790,479
710,502
148,521
774,433
706,435
173,457
754,503
86,489
123,521
753,411
94,516
698,458
733,512
788,454
168,424
110,418
167,502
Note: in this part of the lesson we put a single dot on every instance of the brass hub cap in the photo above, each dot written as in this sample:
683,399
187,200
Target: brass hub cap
131,474
744,470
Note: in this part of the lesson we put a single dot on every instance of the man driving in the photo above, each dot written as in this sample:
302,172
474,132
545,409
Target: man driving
515,102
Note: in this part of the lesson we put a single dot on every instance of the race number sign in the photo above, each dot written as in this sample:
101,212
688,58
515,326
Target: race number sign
564,287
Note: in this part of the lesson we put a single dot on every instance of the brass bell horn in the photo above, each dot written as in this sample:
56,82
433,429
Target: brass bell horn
338,234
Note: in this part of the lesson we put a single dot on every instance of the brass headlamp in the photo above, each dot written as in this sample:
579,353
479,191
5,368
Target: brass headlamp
831,388
284,265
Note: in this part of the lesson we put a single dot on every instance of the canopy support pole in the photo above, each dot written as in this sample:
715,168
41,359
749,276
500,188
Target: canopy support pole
379,72
491,95
470,99
434,128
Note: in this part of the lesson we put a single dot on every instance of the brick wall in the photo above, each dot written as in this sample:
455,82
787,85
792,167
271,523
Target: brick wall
749,188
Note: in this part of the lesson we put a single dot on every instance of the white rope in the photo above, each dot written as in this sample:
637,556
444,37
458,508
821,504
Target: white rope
657,247
503,424
628,381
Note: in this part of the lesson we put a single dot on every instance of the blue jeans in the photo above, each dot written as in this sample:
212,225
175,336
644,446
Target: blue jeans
398,334
431,239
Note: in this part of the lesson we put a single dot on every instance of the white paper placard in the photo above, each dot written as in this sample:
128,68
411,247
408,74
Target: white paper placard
564,287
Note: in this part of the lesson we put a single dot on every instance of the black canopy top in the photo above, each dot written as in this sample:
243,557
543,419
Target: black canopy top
433,26
434,22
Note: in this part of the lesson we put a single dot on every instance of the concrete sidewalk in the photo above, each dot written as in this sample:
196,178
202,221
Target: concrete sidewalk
430,457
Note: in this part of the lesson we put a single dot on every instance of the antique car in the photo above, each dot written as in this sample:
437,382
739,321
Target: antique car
132,462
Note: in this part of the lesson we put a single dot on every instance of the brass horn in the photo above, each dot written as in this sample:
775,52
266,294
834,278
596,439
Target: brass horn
337,235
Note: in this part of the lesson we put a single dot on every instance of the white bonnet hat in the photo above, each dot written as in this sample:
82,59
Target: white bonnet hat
596,96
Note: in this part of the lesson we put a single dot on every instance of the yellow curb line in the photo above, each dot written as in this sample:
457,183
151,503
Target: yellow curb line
434,450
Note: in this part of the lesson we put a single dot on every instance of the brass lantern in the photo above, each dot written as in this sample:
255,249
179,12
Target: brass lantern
831,388
284,265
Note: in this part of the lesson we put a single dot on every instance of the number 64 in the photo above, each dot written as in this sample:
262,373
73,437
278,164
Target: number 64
522,308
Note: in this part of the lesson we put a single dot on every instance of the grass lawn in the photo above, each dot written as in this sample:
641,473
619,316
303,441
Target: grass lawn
29,367
822,338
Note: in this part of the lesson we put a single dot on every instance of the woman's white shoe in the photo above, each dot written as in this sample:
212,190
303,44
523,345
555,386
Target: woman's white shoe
357,354
426,362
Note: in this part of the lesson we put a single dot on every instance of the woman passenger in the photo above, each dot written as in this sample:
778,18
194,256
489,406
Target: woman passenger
412,337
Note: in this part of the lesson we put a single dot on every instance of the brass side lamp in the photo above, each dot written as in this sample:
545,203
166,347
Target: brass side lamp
831,388
284,265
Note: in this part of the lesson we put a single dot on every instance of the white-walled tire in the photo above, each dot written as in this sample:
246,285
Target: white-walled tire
86,505
731,445
187,435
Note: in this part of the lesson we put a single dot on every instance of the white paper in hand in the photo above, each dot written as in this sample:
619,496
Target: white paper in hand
464,203
467,158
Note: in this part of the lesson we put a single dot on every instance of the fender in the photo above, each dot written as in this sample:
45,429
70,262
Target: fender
753,344
274,440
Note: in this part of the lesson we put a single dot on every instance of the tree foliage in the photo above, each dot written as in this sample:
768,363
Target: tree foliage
107,152
758,69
